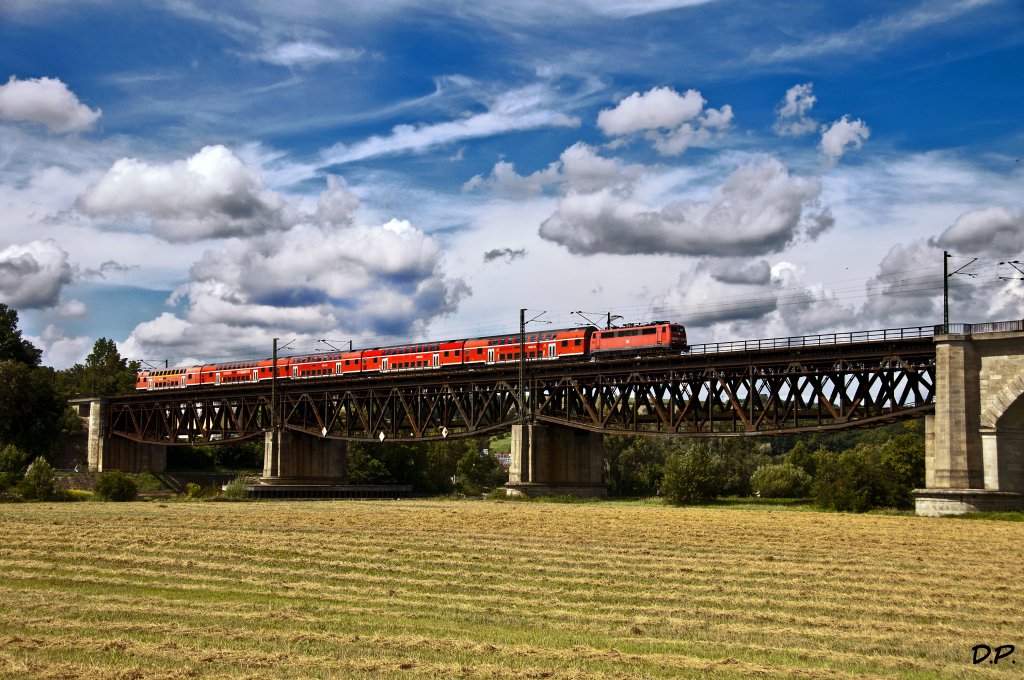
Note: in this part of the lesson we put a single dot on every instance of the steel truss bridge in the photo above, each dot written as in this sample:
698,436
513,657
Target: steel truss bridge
758,387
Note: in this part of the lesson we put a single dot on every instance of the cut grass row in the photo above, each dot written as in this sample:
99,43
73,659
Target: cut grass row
432,588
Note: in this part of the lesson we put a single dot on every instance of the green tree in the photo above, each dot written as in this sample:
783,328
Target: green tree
636,465
479,472
364,467
695,472
741,456
31,411
104,373
783,480
12,346
40,482
857,480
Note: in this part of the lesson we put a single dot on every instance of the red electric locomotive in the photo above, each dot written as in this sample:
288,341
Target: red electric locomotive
658,336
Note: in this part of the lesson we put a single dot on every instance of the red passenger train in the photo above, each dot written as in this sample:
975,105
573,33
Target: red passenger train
564,345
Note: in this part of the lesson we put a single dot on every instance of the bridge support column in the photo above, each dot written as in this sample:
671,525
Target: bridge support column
300,459
974,449
552,460
115,453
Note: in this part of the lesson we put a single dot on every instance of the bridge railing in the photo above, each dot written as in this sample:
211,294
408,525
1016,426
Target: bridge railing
988,327
822,339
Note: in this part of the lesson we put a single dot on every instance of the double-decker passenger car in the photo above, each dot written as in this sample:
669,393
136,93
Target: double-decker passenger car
562,344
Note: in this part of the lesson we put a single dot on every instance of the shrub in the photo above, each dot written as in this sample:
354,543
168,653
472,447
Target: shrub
116,486
694,473
236,489
13,462
193,490
781,481
39,483
857,480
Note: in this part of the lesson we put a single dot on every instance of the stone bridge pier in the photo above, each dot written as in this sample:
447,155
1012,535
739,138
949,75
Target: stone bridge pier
974,444
107,453
296,459
553,460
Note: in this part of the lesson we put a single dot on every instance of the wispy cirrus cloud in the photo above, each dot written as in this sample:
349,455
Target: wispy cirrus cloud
526,108
307,54
872,35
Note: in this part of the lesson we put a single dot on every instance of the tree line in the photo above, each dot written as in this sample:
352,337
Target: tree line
35,419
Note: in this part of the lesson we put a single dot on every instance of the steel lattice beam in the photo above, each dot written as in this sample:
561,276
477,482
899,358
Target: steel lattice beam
771,391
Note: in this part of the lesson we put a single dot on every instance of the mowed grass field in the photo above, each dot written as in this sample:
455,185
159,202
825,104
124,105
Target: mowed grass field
500,590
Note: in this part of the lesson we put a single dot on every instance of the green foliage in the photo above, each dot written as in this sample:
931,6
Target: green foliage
802,456
30,408
116,486
40,482
104,373
741,456
695,472
364,468
12,346
236,489
193,490
636,465
478,472
13,463
783,480
858,480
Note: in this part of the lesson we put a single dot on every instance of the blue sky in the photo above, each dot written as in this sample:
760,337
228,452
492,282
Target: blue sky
194,179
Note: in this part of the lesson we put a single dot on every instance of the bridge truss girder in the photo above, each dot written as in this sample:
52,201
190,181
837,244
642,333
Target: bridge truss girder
743,393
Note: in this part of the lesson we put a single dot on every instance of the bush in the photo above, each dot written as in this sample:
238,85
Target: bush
236,489
13,462
857,480
694,473
116,486
781,481
39,483
193,490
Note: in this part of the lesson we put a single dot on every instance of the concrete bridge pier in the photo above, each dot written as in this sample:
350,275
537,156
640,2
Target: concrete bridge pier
107,453
974,444
552,460
296,459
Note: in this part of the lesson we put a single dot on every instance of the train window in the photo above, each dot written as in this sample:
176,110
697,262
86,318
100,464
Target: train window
565,343
578,342
649,331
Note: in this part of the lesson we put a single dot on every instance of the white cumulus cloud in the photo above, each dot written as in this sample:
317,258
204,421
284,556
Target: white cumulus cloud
993,231
791,116
33,274
672,122
46,101
841,135
326,277
212,194
759,209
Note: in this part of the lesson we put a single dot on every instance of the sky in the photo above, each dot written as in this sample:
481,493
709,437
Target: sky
193,179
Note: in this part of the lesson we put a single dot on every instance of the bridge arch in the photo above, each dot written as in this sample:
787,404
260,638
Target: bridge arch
1002,439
